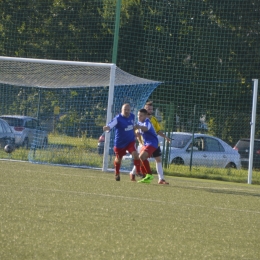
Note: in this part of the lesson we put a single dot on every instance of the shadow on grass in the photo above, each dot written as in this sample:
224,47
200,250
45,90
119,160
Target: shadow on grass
238,193
222,191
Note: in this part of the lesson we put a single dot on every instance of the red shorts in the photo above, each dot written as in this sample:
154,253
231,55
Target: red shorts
120,152
149,149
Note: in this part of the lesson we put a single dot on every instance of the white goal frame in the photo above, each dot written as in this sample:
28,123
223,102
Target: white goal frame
92,64
13,73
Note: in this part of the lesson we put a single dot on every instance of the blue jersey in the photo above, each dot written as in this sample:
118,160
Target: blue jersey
124,130
150,136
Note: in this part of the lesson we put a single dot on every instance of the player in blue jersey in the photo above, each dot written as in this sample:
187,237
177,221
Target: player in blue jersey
124,138
157,153
150,144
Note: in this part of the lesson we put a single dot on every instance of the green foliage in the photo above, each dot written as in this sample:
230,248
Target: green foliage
66,124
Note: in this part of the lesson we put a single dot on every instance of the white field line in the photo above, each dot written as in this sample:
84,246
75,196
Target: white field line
127,172
138,199
174,181
230,188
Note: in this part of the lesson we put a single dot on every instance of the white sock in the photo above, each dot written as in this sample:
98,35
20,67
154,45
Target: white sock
133,171
159,169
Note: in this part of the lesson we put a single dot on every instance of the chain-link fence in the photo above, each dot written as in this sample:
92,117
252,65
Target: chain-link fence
205,53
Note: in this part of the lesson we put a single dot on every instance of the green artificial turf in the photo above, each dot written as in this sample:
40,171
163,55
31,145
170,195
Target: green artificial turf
51,212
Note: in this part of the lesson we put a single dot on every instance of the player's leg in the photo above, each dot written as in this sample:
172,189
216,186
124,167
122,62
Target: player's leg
132,149
136,169
133,171
145,163
145,153
119,152
158,159
159,170
136,161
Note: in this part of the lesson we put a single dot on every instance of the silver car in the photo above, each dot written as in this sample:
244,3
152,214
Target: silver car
25,129
6,134
206,150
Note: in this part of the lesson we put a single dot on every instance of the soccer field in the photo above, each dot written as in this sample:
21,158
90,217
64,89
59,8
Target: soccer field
51,212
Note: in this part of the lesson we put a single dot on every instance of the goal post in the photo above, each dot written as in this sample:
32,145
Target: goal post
252,132
109,117
73,101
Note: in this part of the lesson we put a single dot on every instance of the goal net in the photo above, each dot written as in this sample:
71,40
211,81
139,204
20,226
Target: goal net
72,101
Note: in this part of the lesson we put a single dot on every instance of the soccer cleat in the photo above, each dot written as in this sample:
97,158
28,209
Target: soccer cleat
132,177
147,179
163,182
117,177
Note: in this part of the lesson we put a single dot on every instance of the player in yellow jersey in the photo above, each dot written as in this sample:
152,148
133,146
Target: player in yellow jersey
157,153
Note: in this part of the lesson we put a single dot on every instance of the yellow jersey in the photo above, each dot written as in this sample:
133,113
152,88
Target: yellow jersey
155,124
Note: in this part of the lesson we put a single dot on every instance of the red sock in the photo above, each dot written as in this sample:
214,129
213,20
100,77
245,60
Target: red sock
146,166
137,165
117,167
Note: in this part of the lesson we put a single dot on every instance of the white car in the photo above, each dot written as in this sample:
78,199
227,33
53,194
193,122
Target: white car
206,151
25,129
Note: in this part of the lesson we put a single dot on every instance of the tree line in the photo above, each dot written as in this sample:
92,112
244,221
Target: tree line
204,51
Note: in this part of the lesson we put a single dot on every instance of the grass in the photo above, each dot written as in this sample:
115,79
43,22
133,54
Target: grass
232,175
82,151
82,157
87,143
51,212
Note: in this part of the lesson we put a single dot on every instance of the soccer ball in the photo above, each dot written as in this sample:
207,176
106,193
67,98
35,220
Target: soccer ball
8,148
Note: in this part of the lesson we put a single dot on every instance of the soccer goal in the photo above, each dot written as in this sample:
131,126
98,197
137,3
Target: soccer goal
72,101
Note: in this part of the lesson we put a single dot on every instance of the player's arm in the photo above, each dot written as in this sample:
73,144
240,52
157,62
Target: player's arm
136,132
106,128
142,128
158,130
145,127
110,125
139,138
162,134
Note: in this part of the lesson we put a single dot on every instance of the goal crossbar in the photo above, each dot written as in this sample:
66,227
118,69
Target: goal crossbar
58,62
42,73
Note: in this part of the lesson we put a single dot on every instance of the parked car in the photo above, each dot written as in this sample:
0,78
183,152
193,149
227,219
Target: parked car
243,147
25,128
207,150
6,134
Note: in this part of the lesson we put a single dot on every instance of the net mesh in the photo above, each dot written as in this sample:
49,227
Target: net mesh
58,74
205,52
70,102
